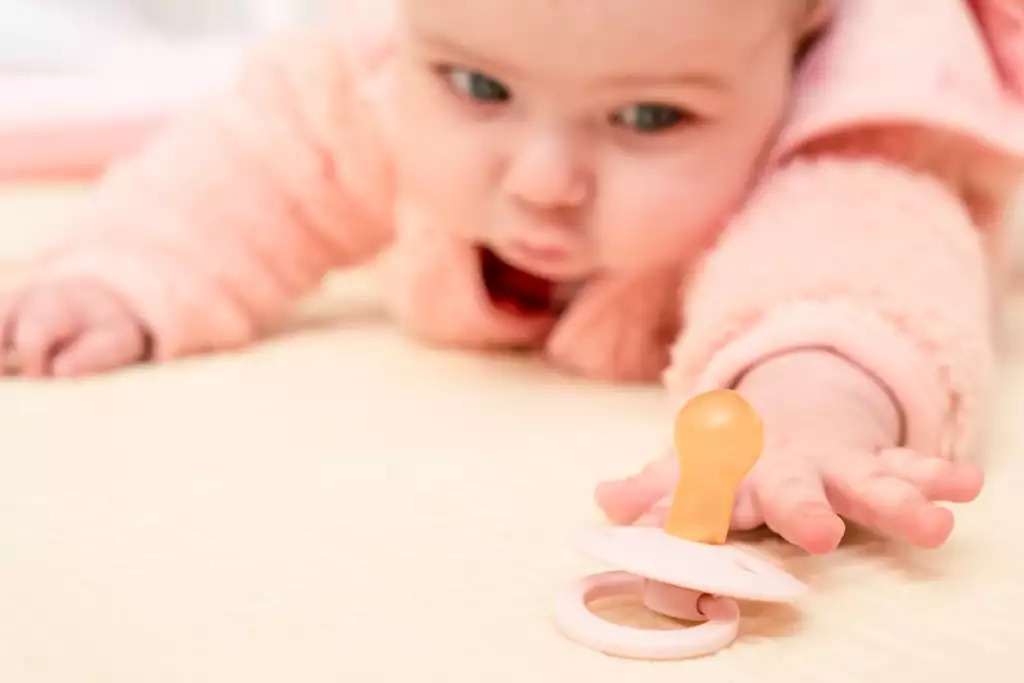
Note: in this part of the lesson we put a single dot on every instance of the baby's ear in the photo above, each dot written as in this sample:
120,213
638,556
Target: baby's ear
1002,23
816,14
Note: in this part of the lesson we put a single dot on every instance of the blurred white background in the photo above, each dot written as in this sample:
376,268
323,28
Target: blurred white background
77,33
84,81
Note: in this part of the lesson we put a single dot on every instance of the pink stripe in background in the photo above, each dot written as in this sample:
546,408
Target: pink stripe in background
59,125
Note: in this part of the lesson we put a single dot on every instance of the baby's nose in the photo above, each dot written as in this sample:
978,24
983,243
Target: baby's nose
548,173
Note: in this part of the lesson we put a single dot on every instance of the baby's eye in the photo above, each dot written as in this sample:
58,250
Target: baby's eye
476,85
650,118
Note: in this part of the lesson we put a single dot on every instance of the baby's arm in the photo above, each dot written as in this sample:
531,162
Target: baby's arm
232,213
882,265
849,303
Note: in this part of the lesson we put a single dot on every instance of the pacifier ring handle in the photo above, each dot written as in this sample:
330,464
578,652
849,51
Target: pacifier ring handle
580,624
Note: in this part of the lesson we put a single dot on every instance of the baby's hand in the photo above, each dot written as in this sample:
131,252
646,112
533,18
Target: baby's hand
830,454
68,329
803,495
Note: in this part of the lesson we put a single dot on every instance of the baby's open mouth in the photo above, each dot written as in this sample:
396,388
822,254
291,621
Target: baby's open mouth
515,291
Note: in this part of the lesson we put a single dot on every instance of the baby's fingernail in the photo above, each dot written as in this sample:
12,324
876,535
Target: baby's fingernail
935,526
615,501
970,476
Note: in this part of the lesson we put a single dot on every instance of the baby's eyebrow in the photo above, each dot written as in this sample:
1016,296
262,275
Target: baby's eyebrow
702,79
447,45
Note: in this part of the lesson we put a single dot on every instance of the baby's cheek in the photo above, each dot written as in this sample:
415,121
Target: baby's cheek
646,240
441,181
665,215
654,225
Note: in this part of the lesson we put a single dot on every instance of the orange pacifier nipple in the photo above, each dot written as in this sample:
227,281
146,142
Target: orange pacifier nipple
718,438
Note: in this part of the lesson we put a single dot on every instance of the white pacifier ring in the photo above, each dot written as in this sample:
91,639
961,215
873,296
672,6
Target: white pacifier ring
580,624
678,579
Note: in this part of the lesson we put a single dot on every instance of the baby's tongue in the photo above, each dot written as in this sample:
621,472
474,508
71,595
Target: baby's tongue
515,291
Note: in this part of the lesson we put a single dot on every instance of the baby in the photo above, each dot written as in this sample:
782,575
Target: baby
796,199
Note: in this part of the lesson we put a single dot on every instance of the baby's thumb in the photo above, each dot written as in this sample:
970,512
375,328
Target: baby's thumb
624,501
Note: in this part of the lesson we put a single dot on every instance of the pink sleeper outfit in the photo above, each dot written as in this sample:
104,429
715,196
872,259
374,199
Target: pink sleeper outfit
874,232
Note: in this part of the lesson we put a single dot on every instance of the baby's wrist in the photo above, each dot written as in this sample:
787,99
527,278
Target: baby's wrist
818,396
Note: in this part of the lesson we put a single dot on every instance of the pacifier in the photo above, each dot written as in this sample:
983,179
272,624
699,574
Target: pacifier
685,571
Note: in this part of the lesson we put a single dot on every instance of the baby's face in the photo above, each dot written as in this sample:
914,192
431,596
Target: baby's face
574,136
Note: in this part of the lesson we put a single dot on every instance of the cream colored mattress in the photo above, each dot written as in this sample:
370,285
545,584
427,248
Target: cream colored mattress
341,505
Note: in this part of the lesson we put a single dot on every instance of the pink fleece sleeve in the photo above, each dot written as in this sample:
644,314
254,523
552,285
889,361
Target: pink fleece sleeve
863,257
239,209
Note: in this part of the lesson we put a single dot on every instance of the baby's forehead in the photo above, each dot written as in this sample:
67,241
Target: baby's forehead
638,35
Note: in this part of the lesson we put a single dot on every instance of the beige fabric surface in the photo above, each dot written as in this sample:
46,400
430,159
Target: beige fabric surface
340,504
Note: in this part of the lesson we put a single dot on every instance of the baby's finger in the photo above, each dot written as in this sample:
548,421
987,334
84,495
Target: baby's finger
937,479
624,501
746,514
792,499
863,490
99,350
42,325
